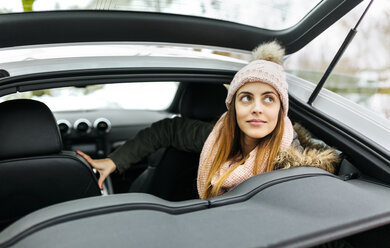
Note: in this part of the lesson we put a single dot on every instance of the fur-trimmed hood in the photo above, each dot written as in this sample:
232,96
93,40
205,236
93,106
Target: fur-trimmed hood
308,153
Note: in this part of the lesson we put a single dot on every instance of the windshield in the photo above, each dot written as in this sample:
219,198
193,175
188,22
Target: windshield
274,15
145,96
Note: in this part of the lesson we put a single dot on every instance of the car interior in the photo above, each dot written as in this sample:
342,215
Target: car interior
44,152
166,178
168,173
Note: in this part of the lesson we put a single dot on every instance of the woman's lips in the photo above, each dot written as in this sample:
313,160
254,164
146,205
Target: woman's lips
256,122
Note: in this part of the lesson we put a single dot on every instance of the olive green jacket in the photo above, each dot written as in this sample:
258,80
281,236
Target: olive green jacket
181,133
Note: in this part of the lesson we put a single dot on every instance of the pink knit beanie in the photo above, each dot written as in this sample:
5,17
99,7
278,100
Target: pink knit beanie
266,68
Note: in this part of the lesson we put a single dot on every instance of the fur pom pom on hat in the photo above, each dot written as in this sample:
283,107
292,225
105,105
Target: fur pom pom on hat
271,51
265,67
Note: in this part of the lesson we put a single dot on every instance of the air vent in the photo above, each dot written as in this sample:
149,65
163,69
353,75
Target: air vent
82,126
64,126
102,125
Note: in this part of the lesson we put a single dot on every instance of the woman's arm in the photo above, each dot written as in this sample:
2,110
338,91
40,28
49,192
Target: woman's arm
181,133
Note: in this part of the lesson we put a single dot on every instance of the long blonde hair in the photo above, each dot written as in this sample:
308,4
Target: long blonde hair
229,147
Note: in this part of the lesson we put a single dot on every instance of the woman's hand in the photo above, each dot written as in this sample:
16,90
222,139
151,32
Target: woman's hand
104,166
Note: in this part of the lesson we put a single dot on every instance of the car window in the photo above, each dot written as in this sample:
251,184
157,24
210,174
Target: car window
363,73
150,96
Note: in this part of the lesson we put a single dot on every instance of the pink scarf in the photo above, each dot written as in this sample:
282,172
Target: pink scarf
243,171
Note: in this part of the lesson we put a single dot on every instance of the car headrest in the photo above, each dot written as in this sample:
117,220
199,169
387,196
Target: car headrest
27,128
202,101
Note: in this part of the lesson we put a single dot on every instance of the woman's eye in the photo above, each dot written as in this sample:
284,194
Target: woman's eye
245,98
269,99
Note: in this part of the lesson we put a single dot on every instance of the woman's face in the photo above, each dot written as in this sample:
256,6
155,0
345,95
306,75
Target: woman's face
257,107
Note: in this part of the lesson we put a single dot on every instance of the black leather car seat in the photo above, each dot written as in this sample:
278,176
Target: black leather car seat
171,174
34,171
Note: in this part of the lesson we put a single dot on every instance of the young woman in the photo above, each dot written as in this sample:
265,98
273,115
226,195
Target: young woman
254,136
247,138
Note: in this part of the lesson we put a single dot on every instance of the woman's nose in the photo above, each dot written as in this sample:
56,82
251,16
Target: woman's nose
257,107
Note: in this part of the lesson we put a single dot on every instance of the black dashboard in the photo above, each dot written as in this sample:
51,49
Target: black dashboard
98,132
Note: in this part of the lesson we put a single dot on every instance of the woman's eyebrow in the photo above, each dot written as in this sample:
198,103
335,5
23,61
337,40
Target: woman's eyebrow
268,92
245,92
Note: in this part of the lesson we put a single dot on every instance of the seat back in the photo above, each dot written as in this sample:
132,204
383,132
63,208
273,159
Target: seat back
34,171
171,173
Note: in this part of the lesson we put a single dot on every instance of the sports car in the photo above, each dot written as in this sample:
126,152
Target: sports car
90,78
